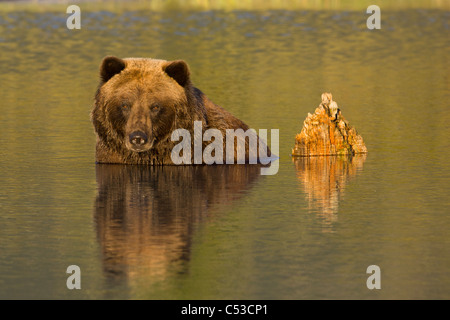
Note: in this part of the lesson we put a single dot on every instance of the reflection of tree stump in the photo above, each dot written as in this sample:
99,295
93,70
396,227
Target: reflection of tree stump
324,180
326,132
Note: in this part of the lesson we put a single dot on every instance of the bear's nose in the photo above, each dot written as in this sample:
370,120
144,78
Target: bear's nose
138,138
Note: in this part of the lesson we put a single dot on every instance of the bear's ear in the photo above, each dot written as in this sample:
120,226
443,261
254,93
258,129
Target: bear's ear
110,67
178,70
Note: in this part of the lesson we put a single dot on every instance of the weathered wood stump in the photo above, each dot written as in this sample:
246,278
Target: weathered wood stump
326,132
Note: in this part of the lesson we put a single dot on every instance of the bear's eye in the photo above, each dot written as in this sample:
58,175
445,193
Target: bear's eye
155,107
125,106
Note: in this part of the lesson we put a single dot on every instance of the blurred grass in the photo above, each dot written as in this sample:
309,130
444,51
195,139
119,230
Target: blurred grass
163,5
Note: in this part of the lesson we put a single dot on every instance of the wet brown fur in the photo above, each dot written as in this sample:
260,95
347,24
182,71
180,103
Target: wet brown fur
130,88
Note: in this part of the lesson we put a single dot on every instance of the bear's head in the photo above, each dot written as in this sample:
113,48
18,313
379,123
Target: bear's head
138,102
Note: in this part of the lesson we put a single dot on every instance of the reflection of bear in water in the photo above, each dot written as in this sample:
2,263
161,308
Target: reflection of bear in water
145,216
140,102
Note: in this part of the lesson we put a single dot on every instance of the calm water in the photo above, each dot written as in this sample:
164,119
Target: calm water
227,232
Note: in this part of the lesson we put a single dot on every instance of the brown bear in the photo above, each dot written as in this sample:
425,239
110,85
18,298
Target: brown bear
140,102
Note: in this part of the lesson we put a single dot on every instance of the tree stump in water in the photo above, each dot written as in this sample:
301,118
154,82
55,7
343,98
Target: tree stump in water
326,132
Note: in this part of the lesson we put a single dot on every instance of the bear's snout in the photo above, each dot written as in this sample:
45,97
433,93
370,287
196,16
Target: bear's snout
138,141
138,138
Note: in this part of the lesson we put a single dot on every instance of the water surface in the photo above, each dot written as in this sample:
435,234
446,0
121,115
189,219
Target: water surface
309,231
